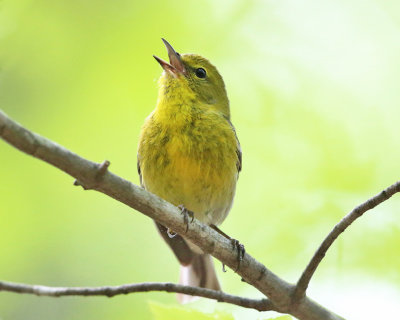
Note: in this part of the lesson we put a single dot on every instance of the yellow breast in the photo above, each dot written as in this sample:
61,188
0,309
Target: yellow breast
191,162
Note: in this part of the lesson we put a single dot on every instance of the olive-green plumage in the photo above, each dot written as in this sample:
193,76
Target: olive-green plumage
189,153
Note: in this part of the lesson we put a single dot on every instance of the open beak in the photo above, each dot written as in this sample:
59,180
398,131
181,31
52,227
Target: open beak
175,65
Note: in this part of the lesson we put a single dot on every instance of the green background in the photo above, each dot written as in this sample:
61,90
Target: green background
315,91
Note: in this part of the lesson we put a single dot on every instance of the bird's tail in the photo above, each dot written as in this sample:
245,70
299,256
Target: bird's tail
199,273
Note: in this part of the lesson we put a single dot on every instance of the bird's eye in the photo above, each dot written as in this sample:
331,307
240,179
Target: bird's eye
201,73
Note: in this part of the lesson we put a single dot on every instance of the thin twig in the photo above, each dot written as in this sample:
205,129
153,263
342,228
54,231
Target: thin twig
357,212
111,291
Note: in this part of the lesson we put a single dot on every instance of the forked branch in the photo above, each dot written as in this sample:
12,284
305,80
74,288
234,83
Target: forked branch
282,296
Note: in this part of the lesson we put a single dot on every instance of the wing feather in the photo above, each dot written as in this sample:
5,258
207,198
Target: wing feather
238,147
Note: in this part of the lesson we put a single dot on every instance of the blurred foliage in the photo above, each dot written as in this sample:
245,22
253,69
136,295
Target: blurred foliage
165,312
314,90
162,312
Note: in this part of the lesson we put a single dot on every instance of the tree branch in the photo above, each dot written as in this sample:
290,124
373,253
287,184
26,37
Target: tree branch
86,172
111,291
357,212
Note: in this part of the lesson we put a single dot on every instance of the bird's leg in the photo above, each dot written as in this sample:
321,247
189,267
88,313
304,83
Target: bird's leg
236,245
186,215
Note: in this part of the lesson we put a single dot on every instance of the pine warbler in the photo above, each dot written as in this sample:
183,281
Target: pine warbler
189,155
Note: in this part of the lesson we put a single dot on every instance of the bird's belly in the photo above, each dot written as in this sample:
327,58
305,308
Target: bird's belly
203,181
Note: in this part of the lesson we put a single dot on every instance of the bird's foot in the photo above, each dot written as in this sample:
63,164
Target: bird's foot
186,215
236,245
240,251
170,233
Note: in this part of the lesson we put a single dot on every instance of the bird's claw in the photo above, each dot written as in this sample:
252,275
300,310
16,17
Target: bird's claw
170,233
240,251
186,215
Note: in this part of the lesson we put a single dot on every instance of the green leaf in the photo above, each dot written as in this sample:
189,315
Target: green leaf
164,312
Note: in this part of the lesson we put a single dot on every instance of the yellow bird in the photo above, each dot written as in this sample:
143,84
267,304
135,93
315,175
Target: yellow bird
189,155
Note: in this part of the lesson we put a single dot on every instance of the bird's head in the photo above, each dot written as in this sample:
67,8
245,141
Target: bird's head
192,77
